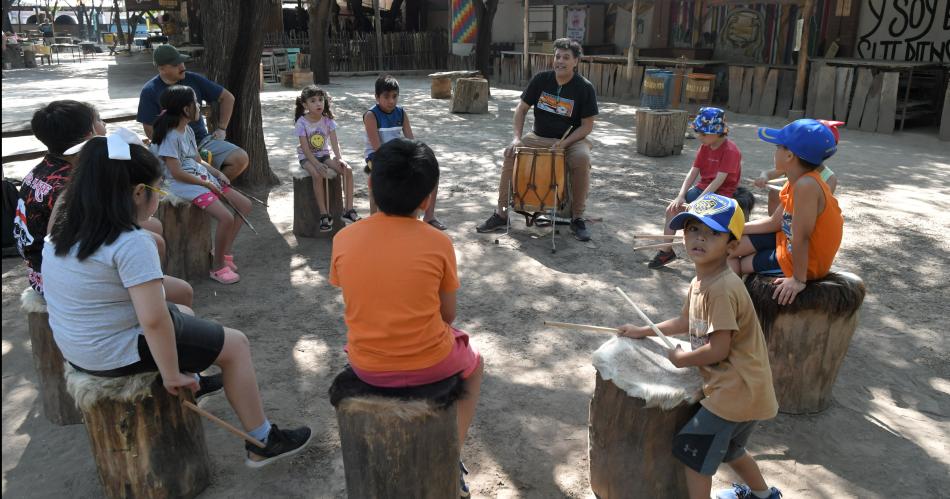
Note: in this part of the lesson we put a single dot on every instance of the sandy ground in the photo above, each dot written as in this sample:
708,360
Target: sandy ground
886,433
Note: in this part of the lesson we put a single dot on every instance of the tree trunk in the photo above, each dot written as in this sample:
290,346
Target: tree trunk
484,17
7,9
470,96
233,44
660,133
319,35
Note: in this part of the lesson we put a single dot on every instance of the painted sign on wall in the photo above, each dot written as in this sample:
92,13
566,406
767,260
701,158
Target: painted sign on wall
464,27
905,30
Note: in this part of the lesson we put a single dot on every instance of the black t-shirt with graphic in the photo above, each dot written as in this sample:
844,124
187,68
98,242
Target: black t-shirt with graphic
557,107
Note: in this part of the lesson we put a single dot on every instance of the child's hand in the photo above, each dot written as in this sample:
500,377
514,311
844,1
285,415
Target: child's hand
786,289
762,181
207,184
178,381
676,356
223,179
677,205
631,331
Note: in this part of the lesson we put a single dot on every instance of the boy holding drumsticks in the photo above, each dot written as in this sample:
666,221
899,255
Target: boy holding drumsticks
729,349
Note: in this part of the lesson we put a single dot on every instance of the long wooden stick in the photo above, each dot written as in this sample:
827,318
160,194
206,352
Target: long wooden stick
656,236
582,327
657,245
252,198
643,316
238,212
223,424
775,187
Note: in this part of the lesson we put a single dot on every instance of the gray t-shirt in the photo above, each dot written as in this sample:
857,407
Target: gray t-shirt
90,309
182,146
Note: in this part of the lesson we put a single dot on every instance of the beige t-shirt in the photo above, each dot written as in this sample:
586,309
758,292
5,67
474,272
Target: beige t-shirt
740,387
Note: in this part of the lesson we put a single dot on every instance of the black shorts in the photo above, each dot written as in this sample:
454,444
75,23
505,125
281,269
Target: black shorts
707,440
198,342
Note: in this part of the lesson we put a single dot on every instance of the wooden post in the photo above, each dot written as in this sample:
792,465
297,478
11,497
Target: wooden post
58,406
398,448
187,233
660,133
640,403
525,62
306,213
379,34
808,339
802,62
470,96
146,444
632,49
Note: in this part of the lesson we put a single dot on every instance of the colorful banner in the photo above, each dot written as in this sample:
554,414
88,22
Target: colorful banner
464,27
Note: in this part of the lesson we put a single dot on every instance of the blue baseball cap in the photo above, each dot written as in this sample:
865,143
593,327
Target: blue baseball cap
710,120
719,213
808,139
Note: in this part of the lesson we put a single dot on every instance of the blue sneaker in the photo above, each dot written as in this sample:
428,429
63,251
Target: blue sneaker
742,491
463,488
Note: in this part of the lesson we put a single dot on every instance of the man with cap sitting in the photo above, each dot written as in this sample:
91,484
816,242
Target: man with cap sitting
225,156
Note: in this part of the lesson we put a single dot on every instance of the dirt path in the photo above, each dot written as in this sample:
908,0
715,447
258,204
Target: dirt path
885,434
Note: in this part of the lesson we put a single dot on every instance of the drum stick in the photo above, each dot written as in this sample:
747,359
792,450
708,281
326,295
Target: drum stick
246,221
252,198
777,181
582,327
214,419
656,236
564,136
643,316
657,245
775,187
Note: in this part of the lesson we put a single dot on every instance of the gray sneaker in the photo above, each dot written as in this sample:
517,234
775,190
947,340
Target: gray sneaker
579,228
494,223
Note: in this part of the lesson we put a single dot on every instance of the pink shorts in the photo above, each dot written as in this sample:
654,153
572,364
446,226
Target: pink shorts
462,359
203,201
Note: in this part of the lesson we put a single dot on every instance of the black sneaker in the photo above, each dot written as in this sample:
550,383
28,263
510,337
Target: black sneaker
579,228
463,487
326,223
495,222
280,444
209,385
661,259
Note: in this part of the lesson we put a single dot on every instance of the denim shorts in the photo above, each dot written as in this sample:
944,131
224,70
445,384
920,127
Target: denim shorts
765,261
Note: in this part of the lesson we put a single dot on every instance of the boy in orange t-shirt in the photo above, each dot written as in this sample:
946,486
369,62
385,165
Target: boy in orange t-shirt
800,239
398,277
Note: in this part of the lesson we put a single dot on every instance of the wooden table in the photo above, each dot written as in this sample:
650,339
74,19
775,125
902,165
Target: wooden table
906,107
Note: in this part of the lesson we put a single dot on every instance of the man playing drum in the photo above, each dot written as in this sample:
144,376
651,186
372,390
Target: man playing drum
562,100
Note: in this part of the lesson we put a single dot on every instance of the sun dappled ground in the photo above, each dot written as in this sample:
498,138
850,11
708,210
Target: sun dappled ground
884,435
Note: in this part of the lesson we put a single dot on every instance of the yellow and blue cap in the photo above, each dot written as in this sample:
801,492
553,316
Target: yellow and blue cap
806,138
719,213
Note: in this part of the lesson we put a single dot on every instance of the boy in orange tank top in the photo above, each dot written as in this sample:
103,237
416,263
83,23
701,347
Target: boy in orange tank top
800,239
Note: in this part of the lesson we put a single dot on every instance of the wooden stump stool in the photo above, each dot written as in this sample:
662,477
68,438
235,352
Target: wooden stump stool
145,442
306,213
398,442
640,402
470,96
187,233
660,133
58,406
442,82
808,339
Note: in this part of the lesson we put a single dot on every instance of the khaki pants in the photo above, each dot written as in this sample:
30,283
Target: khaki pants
577,157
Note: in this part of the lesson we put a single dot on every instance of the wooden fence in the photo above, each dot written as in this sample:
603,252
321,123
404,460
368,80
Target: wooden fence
607,74
352,52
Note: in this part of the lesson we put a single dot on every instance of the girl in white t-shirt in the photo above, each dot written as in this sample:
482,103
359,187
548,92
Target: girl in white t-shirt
107,309
316,130
190,177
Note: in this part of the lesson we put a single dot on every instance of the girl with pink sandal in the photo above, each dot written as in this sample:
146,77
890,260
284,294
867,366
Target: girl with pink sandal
190,177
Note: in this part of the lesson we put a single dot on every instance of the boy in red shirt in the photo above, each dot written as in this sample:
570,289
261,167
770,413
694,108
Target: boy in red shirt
718,165
398,277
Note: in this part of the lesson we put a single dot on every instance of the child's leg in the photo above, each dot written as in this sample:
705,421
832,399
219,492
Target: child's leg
748,471
222,233
178,291
699,485
318,191
430,210
466,406
743,249
670,213
242,205
240,380
346,177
